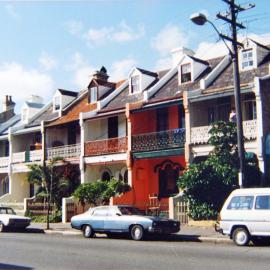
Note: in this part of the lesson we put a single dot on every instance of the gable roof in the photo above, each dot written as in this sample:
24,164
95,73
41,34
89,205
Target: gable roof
68,93
147,72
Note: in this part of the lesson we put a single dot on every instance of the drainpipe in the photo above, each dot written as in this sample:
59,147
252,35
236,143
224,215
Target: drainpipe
82,125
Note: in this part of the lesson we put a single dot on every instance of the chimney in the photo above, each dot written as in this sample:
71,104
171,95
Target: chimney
8,104
101,75
178,53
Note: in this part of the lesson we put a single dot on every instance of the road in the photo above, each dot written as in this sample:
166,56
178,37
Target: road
57,252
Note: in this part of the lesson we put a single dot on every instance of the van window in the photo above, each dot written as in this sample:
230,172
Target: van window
262,202
241,203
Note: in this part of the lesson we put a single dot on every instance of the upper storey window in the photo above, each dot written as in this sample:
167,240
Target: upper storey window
93,94
135,84
185,73
247,58
56,103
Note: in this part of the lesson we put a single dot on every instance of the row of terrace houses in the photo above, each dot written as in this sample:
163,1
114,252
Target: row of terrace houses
145,129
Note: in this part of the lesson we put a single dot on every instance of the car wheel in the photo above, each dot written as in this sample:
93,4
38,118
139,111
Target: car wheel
241,236
137,232
2,227
88,231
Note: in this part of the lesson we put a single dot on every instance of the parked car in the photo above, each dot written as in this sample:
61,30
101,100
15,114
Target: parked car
122,219
245,215
9,219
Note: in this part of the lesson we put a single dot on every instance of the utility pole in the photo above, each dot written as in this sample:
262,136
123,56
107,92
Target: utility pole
231,18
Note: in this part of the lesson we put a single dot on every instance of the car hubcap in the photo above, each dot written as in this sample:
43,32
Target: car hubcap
137,233
241,237
87,231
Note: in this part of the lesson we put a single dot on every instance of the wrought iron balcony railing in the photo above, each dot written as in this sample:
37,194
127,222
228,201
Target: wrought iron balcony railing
161,140
107,146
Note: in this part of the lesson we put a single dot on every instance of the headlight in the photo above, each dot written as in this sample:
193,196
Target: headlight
154,224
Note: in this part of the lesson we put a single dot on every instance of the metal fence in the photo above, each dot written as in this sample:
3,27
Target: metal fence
181,211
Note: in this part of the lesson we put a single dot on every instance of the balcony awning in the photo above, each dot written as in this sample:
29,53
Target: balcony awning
158,154
158,105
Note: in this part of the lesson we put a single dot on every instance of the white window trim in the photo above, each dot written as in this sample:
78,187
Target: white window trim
54,103
139,85
180,72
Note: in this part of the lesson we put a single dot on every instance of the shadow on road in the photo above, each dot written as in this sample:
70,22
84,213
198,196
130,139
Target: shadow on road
4,266
27,230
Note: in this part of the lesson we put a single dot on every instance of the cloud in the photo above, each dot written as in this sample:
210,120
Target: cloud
74,27
120,33
47,62
164,63
20,82
121,68
169,37
12,12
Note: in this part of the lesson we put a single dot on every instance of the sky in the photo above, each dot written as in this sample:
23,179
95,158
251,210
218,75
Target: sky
46,45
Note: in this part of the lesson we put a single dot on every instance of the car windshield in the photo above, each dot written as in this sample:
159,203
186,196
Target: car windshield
128,210
9,211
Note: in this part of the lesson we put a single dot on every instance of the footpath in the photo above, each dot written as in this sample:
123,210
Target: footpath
186,234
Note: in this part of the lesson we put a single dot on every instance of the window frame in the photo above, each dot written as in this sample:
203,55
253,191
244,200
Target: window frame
185,76
247,60
135,87
56,103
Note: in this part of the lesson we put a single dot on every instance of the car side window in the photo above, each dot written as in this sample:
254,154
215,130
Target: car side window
241,203
262,202
100,212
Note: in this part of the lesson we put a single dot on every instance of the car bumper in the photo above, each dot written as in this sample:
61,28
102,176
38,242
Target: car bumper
19,225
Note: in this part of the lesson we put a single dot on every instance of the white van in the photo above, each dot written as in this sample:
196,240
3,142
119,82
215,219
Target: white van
245,215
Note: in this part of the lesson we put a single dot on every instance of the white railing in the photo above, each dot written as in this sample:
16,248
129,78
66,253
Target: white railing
4,162
67,151
250,129
200,135
18,157
35,155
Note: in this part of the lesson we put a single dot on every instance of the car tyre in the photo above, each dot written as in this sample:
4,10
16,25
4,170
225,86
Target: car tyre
137,232
88,231
2,227
241,236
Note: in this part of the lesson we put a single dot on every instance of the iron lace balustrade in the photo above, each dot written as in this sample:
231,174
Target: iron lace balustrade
66,151
107,146
161,140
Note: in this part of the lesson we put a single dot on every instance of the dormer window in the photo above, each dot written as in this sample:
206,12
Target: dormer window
135,84
56,103
185,73
93,94
247,58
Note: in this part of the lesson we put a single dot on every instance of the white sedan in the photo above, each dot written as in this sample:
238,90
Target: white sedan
9,219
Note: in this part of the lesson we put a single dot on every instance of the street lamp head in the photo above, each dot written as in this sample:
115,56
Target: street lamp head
198,18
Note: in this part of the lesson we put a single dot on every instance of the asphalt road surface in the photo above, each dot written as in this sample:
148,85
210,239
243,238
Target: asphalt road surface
39,251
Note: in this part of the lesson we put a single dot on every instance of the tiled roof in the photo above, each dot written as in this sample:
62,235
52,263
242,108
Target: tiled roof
73,113
48,114
225,79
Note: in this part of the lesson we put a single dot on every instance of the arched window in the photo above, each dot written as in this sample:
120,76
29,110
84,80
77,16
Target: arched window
106,176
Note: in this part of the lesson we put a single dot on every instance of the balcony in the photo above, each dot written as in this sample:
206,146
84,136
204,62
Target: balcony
67,151
4,161
27,156
105,147
155,141
200,135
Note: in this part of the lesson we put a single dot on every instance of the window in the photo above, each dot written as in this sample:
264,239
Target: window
93,94
247,58
113,127
56,103
135,84
241,203
100,212
106,176
162,119
185,73
250,110
182,122
262,202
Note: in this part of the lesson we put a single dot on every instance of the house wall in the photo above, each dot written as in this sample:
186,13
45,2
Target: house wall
22,142
56,134
265,97
94,172
145,181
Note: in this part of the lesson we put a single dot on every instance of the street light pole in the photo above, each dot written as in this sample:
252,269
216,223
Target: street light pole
200,19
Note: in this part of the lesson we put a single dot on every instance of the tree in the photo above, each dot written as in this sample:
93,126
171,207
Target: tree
207,184
99,192
54,182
